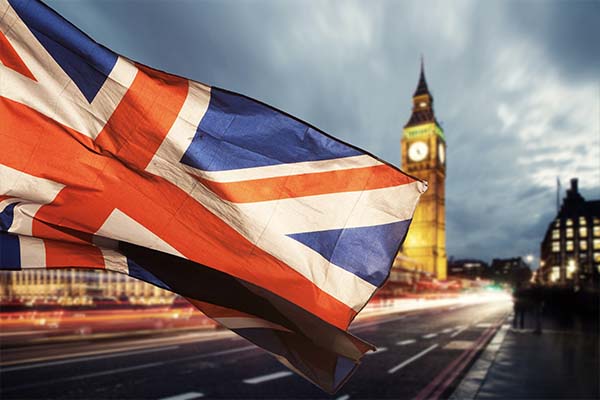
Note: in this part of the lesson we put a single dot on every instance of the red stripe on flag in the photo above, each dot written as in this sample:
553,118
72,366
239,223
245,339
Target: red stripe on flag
285,187
63,254
11,59
144,117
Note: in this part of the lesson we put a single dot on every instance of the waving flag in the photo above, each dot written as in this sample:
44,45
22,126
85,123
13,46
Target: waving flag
271,227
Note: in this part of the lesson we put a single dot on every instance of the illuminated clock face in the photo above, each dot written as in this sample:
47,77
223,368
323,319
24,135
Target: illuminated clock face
418,151
442,153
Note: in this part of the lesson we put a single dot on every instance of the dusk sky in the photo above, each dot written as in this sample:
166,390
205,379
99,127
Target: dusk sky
516,87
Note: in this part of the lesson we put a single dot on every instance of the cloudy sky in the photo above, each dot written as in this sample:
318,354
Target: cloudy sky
516,86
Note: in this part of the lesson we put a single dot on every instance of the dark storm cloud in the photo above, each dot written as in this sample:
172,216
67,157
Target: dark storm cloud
515,86
568,31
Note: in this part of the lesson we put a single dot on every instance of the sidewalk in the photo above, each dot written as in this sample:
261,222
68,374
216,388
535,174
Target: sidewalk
563,362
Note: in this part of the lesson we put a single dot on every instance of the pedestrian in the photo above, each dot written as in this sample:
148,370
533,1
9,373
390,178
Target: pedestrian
519,306
538,304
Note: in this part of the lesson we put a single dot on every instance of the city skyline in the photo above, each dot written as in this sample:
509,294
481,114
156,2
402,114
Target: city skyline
511,81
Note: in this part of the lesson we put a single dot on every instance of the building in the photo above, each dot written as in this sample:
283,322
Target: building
509,270
423,149
570,251
77,287
467,268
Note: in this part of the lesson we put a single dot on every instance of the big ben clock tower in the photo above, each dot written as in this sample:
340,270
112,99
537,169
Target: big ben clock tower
424,156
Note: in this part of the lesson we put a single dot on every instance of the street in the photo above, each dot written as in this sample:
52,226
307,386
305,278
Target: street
421,354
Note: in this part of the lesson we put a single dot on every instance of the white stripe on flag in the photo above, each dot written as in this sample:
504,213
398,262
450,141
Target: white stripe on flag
115,261
33,252
335,210
31,191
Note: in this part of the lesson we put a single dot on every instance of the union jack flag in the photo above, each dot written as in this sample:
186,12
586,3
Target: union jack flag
276,230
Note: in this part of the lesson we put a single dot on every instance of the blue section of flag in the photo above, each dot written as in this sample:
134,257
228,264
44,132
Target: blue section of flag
343,367
238,132
86,62
10,252
140,273
367,252
6,217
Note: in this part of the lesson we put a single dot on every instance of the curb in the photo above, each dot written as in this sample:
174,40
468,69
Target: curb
474,379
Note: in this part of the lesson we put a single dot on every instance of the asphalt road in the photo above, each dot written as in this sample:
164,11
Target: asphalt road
421,354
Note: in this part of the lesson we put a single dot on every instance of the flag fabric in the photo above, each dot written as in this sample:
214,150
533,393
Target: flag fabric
276,230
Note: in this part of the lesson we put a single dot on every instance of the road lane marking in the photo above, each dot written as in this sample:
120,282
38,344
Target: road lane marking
447,330
405,342
81,359
413,358
379,350
459,345
266,378
484,325
344,397
429,335
458,332
185,396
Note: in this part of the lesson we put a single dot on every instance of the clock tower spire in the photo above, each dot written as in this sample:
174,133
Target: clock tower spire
422,111
423,148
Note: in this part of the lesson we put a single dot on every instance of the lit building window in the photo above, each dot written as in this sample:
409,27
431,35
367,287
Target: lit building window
596,230
583,245
596,244
569,232
569,222
582,221
555,234
555,274
571,269
596,257
596,221
557,223
583,231
570,245
555,247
